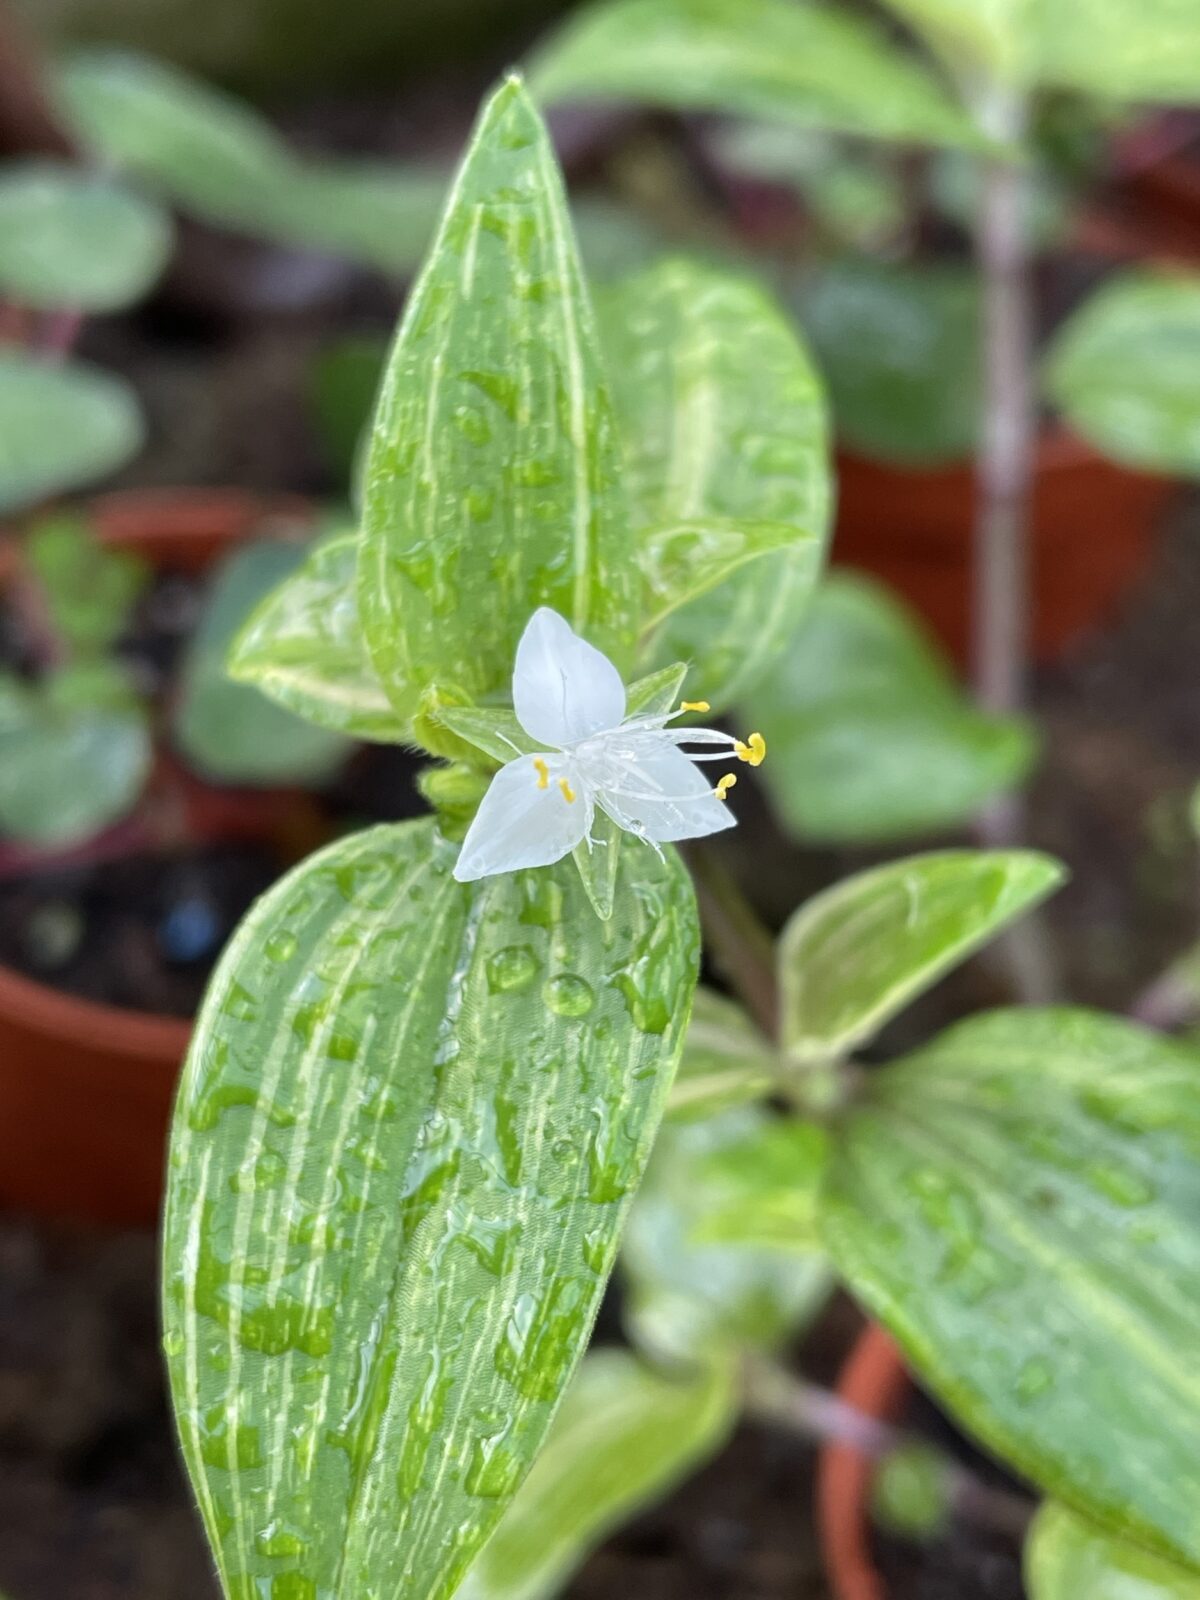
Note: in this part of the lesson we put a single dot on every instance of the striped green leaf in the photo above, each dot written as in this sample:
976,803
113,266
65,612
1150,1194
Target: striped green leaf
726,459
1069,1558
61,426
625,1435
492,477
1019,1202
227,729
854,956
782,59
410,1124
71,239
303,646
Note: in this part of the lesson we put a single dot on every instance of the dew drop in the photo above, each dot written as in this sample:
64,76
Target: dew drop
281,946
1034,1379
512,969
568,995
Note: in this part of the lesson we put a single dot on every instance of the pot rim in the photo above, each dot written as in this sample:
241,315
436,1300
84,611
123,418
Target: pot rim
133,518
873,1380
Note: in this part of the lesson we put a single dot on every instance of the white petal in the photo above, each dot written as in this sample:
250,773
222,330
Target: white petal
659,794
519,824
564,689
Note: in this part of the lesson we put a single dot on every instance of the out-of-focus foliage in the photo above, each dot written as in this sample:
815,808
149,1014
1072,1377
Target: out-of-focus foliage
73,239
61,426
870,735
1067,1557
1123,371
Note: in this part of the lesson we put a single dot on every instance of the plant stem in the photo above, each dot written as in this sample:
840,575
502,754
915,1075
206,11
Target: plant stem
1004,479
741,946
1005,466
777,1396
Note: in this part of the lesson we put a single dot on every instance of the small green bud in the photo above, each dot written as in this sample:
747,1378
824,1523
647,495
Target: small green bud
911,1491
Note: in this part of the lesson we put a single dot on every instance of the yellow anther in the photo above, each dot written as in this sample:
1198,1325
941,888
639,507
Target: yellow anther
568,793
754,751
543,772
694,705
724,786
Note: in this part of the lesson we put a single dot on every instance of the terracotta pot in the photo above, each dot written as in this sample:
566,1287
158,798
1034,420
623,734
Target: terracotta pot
874,1380
86,1089
1095,525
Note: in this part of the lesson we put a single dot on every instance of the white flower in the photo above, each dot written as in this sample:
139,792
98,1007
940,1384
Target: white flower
569,697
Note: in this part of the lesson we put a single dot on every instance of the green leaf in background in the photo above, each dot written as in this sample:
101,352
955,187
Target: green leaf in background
690,1294
70,239
217,158
74,753
303,646
1019,1203
870,737
725,1063
780,59
89,589
899,349
407,1135
493,475
1119,49
956,180
854,956
723,426
229,730
61,426
624,1436
1122,371
1069,1558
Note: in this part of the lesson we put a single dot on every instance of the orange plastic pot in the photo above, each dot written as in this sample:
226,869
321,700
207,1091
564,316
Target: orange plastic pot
1094,528
874,1381
86,1089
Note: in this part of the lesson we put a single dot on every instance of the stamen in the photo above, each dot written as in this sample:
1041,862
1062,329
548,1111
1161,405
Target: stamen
568,793
754,751
725,784
543,772
694,705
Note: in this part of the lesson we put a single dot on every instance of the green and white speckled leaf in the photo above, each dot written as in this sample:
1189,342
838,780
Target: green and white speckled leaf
72,239
726,453
408,1131
1019,1203
725,1062
854,956
493,474
782,59
1069,1558
303,646
1122,370
62,425
624,1436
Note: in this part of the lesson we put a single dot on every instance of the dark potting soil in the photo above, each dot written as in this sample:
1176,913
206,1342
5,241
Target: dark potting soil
142,933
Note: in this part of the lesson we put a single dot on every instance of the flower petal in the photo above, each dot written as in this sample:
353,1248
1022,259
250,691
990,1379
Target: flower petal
564,689
657,792
521,824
